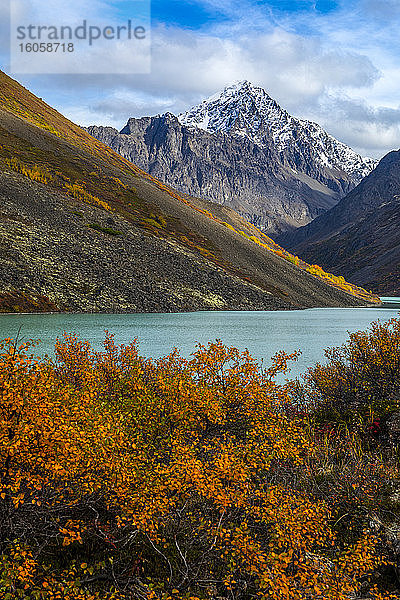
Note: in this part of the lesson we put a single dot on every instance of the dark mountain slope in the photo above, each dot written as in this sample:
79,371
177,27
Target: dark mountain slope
360,237
83,229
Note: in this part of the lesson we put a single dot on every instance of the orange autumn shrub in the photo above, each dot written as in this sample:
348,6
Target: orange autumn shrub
123,477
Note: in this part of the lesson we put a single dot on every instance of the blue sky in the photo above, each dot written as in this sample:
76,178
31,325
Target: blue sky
191,15
331,61
196,15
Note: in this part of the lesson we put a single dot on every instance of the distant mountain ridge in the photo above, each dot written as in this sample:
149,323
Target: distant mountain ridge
360,237
241,149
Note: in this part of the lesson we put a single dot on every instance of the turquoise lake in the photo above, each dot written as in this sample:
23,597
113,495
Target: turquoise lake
263,333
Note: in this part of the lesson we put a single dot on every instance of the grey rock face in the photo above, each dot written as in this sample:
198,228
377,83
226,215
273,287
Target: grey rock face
247,111
241,149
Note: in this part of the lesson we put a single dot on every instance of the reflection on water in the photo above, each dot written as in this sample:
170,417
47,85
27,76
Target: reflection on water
390,302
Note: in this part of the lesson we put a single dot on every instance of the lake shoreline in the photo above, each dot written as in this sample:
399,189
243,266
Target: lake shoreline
263,333
184,312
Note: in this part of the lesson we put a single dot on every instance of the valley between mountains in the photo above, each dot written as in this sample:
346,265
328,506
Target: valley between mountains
360,236
311,193
84,229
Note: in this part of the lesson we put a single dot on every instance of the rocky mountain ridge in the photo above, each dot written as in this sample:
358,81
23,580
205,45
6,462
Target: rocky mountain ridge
241,149
245,110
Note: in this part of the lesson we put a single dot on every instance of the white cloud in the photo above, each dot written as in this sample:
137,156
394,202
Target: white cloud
187,66
317,66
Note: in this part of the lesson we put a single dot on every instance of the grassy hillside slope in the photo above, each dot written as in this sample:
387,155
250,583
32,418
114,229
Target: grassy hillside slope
82,229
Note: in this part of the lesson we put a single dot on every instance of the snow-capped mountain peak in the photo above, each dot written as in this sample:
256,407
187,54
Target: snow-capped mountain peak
240,108
243,109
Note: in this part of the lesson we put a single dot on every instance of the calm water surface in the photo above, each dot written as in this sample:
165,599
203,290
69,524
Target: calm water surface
263,333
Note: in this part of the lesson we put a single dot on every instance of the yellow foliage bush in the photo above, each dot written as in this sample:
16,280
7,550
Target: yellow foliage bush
43,175
35,173
78,191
